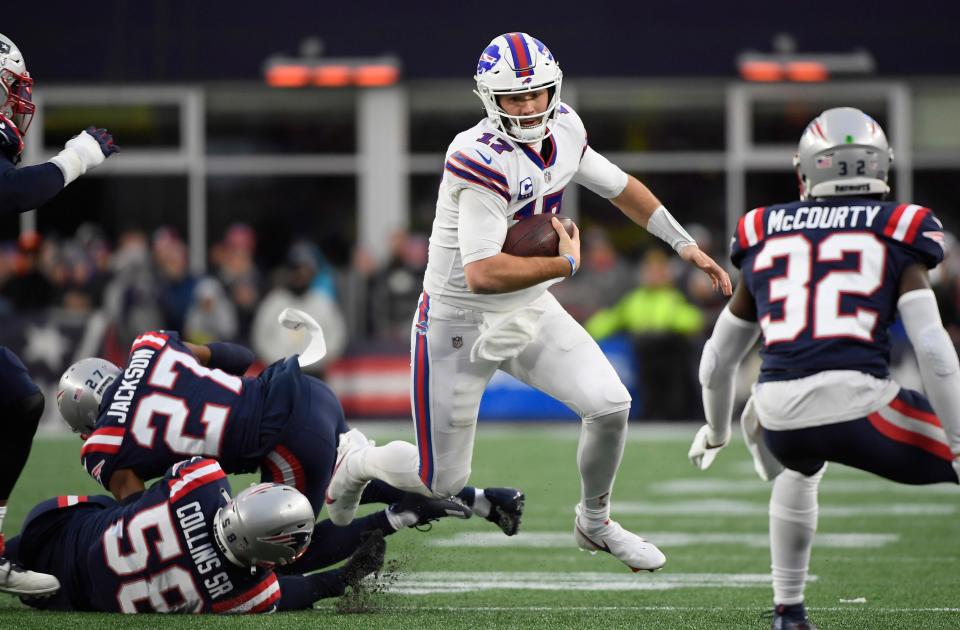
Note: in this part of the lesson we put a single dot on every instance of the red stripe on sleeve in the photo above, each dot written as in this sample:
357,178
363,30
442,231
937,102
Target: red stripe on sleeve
238,600
915,224
758,223
742,234
894,219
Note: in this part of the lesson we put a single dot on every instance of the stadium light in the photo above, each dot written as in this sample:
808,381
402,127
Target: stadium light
786,64
311,69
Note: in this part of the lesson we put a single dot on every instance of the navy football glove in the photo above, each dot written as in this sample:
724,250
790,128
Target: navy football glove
105,139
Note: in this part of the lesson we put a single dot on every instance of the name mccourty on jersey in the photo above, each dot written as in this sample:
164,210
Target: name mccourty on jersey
823,218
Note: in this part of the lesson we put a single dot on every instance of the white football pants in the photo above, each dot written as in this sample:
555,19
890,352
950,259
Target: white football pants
562,361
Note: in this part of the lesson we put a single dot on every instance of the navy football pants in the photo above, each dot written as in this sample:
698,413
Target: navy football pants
21,407
903,442
305,456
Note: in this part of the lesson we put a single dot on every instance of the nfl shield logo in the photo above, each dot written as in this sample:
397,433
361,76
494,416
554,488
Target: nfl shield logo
546,176
456,342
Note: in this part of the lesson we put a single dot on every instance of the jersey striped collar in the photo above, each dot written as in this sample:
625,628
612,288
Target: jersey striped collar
549,147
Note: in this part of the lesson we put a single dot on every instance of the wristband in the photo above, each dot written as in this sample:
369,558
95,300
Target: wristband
573,264
662,225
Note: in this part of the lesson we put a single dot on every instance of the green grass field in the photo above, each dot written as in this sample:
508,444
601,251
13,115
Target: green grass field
886,555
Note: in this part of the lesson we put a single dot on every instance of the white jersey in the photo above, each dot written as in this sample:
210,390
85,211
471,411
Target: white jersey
522,181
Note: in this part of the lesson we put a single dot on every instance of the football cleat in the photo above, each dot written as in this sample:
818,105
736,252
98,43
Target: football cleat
506,508
428,510
343,493
367,559
16,580
627,547
793,617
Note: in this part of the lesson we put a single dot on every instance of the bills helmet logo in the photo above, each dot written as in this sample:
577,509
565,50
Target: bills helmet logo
543,49
488,59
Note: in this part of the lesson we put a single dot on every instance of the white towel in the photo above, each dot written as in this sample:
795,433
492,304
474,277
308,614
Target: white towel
766,465
504,335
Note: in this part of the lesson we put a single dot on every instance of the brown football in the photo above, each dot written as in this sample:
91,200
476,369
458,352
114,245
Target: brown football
535,236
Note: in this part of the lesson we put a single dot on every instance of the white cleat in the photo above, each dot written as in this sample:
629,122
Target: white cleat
627,547
16,580
343,493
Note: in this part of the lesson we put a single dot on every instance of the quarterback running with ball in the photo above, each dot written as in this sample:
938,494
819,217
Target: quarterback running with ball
483,310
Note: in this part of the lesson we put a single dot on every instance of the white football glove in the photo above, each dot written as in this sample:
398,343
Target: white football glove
81,153
701,454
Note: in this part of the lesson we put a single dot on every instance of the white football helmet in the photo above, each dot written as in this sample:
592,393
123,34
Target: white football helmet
843,152
81,389
17,86
515,63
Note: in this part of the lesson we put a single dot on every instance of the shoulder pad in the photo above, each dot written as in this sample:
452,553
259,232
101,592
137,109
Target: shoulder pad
153,339
751,229
917,230
480,167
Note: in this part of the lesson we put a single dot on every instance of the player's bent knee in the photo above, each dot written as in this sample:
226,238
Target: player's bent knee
613,400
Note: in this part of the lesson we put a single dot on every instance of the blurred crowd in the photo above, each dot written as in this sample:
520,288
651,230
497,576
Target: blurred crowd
144,281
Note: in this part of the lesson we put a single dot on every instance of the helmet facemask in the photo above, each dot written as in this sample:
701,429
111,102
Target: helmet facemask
18,105
513,126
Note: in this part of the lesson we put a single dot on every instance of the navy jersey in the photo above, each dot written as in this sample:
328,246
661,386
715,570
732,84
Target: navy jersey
166,406
25,188
825,277
156,553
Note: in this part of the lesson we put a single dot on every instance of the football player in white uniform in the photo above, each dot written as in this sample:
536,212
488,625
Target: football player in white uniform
483,310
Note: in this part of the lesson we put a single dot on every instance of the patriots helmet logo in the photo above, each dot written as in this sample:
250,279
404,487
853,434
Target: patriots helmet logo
488,59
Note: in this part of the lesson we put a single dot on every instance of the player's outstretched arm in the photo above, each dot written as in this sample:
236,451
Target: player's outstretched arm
636,201
232,358
936,356
733,335
30,187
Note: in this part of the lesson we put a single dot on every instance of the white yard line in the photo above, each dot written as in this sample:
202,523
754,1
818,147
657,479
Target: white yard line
885,609
730,508
714,486
560,540
422,583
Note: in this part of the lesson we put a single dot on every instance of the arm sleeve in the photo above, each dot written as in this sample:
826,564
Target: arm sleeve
481,225
939,367
600,175
732,338
232,358
29,187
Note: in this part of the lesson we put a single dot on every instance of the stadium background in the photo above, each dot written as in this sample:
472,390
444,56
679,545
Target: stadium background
228,188
230,192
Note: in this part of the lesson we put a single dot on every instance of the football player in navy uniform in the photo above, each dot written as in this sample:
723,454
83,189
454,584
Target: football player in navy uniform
175,399
823,279
183,546
21,190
